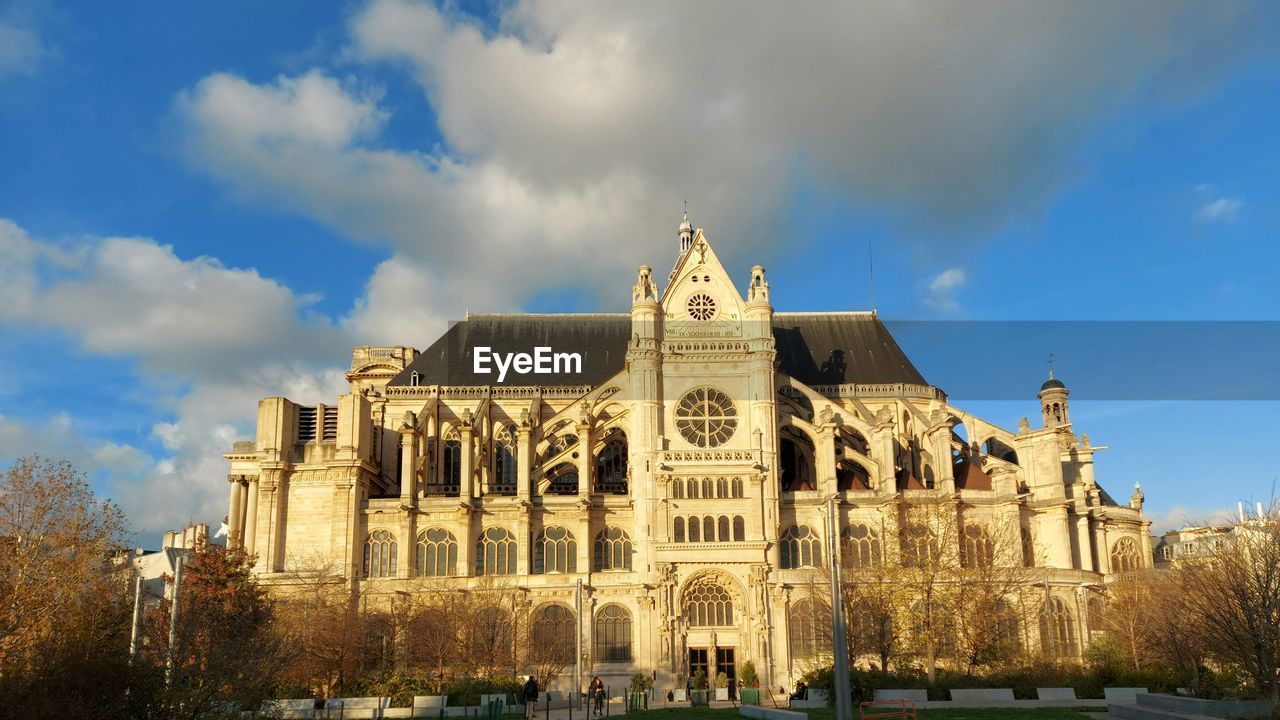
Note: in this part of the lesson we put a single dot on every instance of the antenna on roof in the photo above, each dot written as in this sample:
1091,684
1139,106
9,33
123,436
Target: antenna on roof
871,275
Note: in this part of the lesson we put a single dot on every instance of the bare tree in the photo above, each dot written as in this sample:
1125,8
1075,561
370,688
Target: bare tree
1235,594
322,615
992,603
64,606
1131,615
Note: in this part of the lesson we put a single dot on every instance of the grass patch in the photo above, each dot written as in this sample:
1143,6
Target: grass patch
948,714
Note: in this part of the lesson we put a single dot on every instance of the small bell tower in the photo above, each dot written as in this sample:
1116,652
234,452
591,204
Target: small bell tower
1053,400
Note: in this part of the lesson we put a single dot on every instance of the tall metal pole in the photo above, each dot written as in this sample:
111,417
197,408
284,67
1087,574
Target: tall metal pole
844,711
173,618
577,649
137,614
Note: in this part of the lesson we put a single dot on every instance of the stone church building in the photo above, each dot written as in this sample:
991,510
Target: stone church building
675,462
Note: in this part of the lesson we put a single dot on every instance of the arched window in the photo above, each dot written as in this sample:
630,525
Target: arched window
613,634
737,487
496,552
1028,547
551,633
695,529
490,639
708,490
800,547
722,528
977,550
739,529
919,546
380,555
613,549
504,462
611,466
722,488
707,604
708,529
693,488
555,552
677,489
437,553
1097,621
1009,634
1124,556
809,629
1058,630
451,464
564,480
677,530
862,547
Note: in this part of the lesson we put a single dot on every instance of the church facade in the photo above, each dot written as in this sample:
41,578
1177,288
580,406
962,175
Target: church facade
671,467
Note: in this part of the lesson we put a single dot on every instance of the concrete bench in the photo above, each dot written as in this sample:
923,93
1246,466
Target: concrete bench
761,712
982,695
430,702
1056,693
1122,695
915,695
813,699
1199,706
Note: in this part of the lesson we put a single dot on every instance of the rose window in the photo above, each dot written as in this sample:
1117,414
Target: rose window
701,307
706,417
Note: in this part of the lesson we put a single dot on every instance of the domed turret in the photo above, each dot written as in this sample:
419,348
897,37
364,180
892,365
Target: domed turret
685,232
1053,402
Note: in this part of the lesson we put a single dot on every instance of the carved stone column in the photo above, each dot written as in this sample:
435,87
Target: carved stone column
251,517
233,509
524,453
467,491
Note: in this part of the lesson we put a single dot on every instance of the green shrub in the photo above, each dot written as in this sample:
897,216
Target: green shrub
750,678
641,682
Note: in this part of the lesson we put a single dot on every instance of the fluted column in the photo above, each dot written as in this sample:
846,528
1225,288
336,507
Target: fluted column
251,517
233,485
235,537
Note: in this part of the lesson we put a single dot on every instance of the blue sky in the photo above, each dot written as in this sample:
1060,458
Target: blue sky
204,204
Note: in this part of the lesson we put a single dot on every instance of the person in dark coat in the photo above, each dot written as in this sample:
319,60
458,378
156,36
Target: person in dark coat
531,698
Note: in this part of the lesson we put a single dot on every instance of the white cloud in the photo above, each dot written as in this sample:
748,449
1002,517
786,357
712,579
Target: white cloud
210,340
1219,209
943,287
21,48
571,127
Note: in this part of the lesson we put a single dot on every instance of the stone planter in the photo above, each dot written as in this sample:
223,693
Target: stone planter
749,696
722,693
700,698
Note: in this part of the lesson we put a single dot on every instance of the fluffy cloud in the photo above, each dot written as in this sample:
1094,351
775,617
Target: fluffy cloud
1222,208
210,342
21,48
569,126
943,287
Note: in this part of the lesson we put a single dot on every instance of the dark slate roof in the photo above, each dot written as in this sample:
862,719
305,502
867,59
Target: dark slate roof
814,348
1051,383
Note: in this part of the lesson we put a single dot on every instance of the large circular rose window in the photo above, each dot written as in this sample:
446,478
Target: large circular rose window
706,417
701,307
